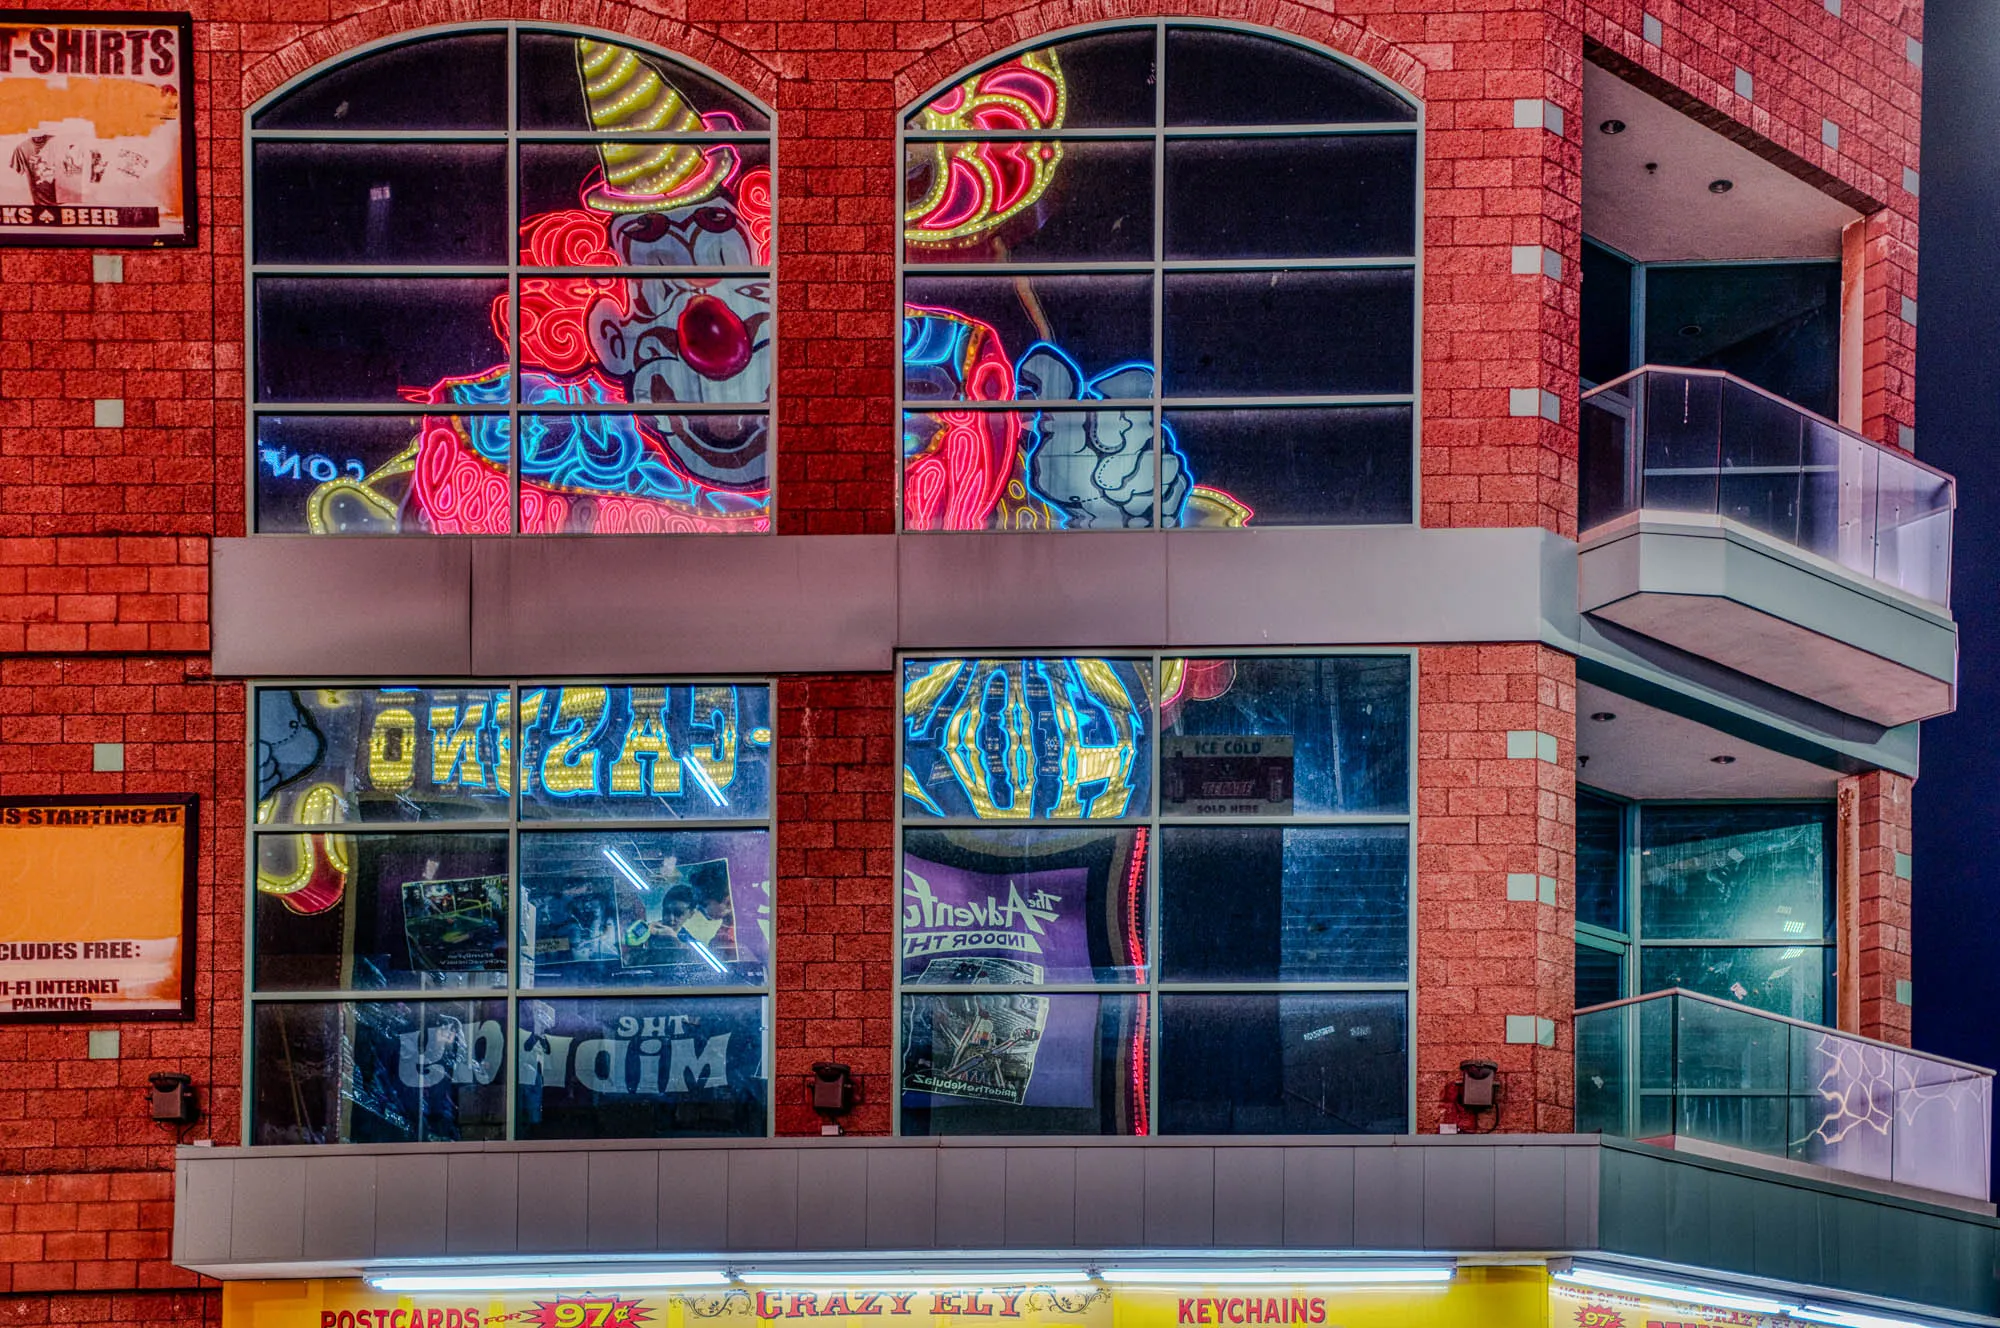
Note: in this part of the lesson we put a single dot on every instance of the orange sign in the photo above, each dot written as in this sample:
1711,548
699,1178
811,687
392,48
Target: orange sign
96,907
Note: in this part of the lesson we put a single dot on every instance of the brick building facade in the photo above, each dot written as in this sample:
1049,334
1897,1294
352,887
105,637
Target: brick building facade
107,683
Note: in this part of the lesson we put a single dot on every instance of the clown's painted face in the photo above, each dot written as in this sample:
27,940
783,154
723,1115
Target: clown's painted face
694,339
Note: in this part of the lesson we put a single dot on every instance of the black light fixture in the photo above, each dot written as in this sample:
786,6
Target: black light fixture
1612,127
1602,717
1720,186
1723,760
173,1098
1690,329
833,1093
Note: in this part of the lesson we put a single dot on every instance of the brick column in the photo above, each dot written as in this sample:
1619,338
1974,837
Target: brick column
1874,905
1496,872
834,917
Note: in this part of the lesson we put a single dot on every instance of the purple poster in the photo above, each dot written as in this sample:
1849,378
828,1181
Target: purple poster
972,929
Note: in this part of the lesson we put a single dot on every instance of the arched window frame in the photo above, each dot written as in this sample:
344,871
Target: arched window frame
512,136
1159,266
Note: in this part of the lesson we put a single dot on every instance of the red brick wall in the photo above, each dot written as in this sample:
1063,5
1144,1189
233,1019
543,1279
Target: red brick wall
1874,828
1482,816
835,912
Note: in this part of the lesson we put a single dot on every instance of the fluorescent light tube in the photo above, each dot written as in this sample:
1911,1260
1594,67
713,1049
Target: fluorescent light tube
1849,1318
868,1281
581,1280
627,869
1171,1276
1686,1293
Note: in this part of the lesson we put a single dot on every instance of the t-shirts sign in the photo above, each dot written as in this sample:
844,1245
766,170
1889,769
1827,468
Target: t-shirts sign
96,130
96,907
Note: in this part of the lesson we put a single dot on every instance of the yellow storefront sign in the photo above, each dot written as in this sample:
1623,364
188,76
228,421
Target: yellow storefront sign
1505,1297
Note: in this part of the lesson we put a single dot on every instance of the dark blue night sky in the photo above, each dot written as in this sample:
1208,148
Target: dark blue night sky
1957,872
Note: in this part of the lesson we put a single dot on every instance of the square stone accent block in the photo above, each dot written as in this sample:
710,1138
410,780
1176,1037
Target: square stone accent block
1829,134
1521,1028
1536,113
1652,29
108,413
107,757
1903,866
1744,85
1903,991
107,269
104,1044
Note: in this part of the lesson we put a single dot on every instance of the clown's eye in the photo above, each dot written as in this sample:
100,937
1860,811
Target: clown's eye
718,220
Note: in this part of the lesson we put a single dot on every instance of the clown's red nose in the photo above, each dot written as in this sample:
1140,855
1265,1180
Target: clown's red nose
714,342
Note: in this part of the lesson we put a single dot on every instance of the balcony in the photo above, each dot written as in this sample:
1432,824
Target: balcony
1692,1072
1731,524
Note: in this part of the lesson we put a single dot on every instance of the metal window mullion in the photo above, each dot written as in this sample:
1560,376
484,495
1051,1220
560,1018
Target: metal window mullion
510,1070
1138,133
1159,315
513,151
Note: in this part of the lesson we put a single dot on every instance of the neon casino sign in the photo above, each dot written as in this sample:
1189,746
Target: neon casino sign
578,742
1010,739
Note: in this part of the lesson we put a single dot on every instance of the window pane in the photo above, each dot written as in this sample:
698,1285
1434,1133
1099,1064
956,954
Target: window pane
1285,903
647,908
1218,77
688,752
327,1072
1790,980
657,339
1333,731
1020,907
1605,307
1600,976
601,474
1345,465
1600,862
1317,197
1049,469
342,474
1103,80
381,203
1735,872
1010,739
454,82
715,212
1239,333
1039,202
960,332
1023,1064
373,338
642,1067
582,83
381,911
382,754
1777,325
1320,1063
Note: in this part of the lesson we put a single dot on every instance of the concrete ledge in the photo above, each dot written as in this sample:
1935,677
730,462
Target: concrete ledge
1727,594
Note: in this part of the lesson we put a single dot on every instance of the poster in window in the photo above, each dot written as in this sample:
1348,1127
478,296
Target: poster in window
977,929
96,129
453,926
96,907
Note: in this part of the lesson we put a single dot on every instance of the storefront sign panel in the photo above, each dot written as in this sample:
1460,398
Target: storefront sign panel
1477,1298
96,907
96,129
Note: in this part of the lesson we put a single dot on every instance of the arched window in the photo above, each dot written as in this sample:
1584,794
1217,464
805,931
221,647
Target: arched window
509,279
1194,250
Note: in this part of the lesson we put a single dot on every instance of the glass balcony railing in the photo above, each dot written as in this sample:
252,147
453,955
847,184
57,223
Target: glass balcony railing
1679,1064
1695,440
